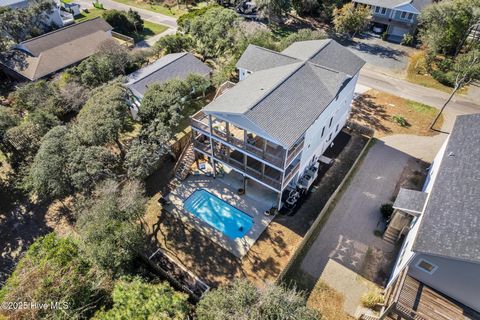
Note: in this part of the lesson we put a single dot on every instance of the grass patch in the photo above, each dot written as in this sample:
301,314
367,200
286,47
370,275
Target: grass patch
388,114
92,13
171,10
328,302
149,28
417,73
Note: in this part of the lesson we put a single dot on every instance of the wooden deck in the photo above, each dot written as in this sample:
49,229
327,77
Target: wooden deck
415,300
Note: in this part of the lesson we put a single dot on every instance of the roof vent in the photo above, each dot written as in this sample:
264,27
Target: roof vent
451,154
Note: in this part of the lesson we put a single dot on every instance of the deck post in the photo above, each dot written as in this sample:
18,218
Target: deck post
279,205
211,144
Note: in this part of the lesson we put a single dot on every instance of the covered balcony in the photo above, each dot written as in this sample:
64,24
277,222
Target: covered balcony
245,141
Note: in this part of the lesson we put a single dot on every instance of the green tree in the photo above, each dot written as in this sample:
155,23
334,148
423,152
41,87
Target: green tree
213,30
119,21
274,9
104,117
172,43
137,299
351,19
197,83
48,175
88,165
135,19
108,226
34,96
301,35
20,24
466,69
164,102
146,150
446,25
111,61
54,270
8,119
242,300
306,7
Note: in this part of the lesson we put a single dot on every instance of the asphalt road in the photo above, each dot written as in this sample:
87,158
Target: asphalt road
407,90
145,14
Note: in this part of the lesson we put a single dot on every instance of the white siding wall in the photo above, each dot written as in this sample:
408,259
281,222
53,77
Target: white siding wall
406,254
339,109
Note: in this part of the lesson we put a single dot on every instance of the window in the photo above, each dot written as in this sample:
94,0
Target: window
410,16
403,15
426,266
380,10
323,132
330,124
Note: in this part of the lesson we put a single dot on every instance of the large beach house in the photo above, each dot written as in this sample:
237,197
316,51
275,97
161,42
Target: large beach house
275,124
437,273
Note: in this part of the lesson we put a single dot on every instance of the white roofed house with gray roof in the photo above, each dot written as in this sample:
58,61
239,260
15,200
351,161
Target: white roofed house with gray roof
275,124
437,273
395,17
169,67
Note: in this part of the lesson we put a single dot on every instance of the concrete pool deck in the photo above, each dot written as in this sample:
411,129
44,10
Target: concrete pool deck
254,202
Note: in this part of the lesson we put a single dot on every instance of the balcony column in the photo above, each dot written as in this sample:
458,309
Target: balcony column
279,205
264,148
211,144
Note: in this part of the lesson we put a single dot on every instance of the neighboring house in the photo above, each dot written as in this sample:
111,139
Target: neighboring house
274,125
437,273
51,52
171,66
56,16
395,17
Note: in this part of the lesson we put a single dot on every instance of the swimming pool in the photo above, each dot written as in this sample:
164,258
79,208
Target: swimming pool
218,213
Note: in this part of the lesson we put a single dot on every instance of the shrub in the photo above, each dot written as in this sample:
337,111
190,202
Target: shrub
400,120
119,21
55,270
407,40
371,299
386,210
384,36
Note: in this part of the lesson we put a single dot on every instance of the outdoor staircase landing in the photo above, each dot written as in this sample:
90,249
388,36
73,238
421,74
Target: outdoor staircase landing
185,163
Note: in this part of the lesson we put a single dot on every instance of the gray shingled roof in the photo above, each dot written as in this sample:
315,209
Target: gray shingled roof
410,200
56,50
171,66
390,4
450,225
257,58
282,102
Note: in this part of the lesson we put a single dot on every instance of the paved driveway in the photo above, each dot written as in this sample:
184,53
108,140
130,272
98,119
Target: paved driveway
379,53
346,248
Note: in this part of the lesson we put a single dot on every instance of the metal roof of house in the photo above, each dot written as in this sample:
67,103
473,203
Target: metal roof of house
450,226
391,4
53,51
410,200
171,66
283,101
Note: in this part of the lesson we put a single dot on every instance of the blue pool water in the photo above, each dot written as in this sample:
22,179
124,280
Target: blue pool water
218,214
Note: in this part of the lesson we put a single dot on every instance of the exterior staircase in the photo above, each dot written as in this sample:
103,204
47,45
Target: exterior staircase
368,317
391,235
184,163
